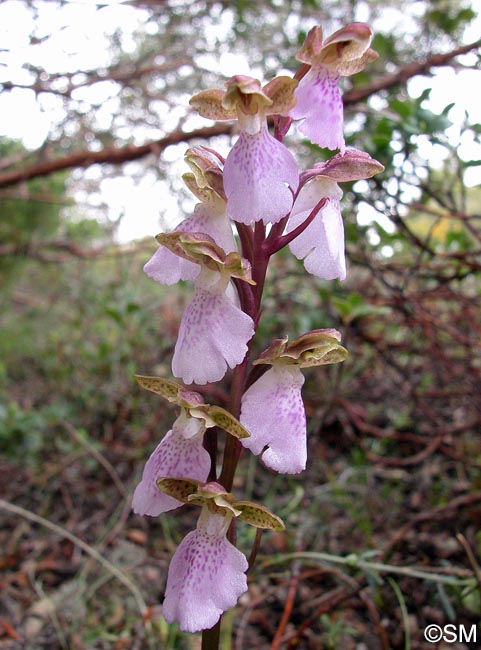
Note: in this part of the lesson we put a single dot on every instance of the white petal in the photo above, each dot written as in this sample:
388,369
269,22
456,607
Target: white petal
168,268
211,218
321,244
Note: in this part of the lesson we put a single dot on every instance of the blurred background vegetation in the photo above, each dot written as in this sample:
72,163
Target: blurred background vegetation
394,432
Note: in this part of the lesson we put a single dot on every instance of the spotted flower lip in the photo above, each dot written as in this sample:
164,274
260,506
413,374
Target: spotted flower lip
273,412
179,454
319,103
321,244
260,176
206,575
214,331
319,106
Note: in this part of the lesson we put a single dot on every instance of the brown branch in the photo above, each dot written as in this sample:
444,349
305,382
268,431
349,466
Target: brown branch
117,74
405,73
289,604
42,251
110,155
445,510
120,155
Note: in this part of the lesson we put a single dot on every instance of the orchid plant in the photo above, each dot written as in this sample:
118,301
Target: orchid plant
251,205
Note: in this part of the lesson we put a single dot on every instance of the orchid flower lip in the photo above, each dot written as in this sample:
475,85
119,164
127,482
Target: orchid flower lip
206,575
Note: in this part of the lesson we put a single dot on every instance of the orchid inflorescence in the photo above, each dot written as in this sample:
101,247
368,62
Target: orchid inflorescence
258,190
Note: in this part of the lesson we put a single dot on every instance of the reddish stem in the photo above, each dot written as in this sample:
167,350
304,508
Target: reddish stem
275,244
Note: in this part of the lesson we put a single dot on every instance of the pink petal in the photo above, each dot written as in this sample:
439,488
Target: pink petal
210,218
213,335
273,412
319,105
176,457
257,173
168,268
206,578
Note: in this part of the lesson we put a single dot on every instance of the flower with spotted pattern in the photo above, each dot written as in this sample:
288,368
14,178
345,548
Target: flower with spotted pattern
213,333
206,575
260,173
319,103
179,454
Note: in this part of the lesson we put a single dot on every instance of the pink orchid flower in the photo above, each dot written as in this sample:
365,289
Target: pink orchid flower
260,173
273,413
319,103
180,454
213,333
206,575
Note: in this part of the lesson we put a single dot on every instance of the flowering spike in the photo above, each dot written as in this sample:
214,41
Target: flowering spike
259,181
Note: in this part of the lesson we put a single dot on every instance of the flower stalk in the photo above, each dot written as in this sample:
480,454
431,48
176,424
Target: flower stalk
258,189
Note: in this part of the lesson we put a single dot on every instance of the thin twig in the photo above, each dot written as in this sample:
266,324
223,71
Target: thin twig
289,604
121,577
111,471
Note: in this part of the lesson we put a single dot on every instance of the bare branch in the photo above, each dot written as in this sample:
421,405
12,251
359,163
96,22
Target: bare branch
120,155
405,73
110,155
